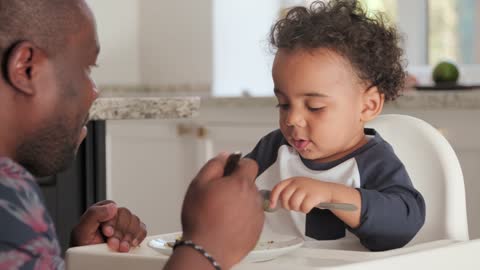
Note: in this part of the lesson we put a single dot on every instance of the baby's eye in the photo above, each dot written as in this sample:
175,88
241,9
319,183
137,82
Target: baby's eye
283,107
315,109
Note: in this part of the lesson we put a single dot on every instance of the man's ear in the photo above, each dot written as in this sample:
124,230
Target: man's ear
373,102
22,61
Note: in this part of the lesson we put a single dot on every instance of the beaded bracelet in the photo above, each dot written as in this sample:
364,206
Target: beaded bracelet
200,249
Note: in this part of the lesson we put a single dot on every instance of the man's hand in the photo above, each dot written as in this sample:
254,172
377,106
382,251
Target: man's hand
224,214
104,222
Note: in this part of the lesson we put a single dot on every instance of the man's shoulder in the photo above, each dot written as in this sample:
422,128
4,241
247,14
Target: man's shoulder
16,184
27,230
22,210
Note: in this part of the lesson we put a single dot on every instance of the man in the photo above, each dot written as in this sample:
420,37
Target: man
47,51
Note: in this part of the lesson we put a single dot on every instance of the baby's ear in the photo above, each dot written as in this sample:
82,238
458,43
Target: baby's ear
372,104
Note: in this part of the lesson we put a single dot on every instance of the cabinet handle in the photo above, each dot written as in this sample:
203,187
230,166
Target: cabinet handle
183,130
202,132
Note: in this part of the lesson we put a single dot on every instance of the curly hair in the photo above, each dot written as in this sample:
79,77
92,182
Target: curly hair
371,46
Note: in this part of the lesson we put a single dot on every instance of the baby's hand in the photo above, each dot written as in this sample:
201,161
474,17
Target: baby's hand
300,194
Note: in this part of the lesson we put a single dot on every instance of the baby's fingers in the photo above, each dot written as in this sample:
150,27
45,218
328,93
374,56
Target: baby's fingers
296,200
276,192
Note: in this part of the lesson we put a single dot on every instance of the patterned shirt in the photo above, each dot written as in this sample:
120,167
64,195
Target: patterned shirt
27,234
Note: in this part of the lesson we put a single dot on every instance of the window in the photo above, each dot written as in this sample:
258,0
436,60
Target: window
388,7
452,31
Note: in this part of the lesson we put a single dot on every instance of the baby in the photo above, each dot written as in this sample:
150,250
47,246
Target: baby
333,70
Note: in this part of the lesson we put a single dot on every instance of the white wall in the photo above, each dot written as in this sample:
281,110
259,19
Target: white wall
117,23
242,59
176,42
413,24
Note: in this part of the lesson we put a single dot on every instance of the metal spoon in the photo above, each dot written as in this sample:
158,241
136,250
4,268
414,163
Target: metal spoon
331,206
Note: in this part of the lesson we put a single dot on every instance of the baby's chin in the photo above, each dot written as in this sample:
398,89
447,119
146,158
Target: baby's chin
316,156
310,155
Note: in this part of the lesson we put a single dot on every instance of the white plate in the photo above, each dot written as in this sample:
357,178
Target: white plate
264,251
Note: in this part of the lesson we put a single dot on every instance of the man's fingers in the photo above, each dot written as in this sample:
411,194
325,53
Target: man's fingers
108,228
141,234
108,225
104,202
113,243
121,229
128,237
247,169
95,215
213,169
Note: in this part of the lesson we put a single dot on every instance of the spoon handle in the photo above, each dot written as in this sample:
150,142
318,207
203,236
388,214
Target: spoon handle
338,206
331,206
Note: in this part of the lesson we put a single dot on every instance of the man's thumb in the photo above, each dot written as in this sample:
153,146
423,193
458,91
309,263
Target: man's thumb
97,214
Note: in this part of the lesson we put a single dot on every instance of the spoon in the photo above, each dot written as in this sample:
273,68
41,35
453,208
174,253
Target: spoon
331,206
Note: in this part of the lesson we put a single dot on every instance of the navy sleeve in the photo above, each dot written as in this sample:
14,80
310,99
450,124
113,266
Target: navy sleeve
266,151
393,211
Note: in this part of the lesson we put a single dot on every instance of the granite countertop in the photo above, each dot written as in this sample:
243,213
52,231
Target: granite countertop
454,99
125,108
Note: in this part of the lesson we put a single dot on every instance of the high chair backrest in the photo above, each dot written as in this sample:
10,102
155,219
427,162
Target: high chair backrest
435,171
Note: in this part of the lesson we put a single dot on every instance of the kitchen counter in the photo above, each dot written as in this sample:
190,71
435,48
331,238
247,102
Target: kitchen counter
458,99
128,108
411,99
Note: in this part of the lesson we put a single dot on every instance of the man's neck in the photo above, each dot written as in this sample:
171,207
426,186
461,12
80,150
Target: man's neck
7,144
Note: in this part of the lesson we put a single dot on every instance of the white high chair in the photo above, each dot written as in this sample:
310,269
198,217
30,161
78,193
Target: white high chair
434,170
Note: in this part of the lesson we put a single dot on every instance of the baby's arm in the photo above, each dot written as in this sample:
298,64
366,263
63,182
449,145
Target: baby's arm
302,194
392,211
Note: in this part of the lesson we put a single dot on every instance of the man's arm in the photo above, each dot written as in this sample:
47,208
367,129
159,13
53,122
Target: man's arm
223,215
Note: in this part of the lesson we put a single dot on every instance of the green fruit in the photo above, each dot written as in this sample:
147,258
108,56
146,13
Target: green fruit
445,72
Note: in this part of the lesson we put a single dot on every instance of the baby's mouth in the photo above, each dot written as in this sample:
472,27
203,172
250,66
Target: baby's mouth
300,144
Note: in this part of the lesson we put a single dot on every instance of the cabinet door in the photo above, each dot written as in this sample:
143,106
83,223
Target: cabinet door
233,137
149,166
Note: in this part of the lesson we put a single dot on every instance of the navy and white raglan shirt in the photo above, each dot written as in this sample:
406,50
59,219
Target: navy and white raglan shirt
393,211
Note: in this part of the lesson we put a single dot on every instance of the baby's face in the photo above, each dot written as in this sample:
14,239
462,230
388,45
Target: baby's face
320,103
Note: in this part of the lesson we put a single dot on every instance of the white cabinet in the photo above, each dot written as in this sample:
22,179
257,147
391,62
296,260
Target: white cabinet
229,137
234,128
149,166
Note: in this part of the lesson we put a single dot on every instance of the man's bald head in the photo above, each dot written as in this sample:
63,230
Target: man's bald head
46,23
